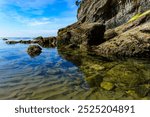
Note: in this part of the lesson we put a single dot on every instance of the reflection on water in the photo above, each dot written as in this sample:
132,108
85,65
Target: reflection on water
53,75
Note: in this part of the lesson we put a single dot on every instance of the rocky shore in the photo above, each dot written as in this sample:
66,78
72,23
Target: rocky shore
109,28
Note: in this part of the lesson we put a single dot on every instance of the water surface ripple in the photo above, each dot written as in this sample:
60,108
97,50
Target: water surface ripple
53,75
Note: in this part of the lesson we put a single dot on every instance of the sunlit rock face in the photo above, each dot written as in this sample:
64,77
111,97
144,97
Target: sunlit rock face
111,12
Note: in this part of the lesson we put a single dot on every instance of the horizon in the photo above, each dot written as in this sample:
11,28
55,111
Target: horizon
35,17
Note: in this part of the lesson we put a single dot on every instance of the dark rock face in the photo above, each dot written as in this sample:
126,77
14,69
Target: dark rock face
34,50
111,12
86,34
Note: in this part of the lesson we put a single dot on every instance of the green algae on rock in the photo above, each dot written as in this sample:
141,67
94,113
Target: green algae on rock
107,85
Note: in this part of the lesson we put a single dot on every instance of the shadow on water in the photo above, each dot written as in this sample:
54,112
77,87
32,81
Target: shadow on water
66,75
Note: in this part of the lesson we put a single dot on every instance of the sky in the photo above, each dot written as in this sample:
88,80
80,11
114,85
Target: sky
32,18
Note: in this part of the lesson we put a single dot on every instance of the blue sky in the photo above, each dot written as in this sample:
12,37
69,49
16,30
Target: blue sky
31,18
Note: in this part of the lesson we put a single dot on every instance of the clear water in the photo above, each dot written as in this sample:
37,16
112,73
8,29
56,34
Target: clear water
56,75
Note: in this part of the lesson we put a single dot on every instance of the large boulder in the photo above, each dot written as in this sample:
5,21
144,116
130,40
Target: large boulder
81,35
34,50
111,12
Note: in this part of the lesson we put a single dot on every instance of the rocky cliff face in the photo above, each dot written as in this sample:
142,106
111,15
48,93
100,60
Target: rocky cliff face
109,28
111,12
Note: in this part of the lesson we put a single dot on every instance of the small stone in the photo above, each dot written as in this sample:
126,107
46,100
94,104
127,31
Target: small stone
107,85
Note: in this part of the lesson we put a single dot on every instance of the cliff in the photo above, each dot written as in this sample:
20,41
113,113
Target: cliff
111,12
109,28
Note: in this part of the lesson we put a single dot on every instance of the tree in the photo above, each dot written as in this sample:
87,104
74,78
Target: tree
78,2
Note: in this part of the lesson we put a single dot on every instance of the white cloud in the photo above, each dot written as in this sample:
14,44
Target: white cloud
17,24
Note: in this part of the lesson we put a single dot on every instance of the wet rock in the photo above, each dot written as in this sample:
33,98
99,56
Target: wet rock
132,93
34,50
143,90
107,85
125,75
94,80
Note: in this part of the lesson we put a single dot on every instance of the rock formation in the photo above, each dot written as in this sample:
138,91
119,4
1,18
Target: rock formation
111,12
34,50
109,28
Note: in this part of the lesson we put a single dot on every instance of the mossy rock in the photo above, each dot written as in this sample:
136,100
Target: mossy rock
107,85
137,16
94,80
132,93
143,90
126,74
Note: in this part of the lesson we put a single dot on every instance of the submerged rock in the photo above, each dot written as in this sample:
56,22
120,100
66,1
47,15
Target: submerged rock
107,85
34,50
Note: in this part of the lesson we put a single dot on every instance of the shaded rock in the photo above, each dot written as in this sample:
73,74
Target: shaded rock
82,36
94,80
34,50
145,30
107,85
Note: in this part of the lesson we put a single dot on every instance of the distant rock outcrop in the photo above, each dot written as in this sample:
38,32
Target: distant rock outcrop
48,42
